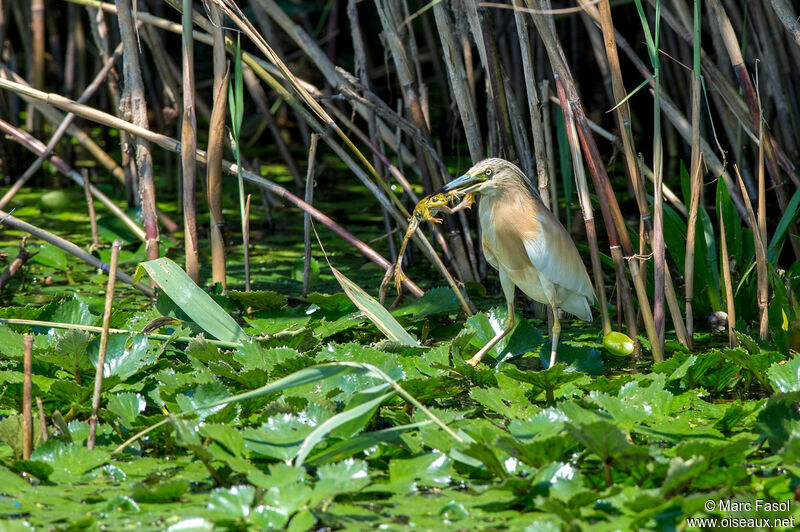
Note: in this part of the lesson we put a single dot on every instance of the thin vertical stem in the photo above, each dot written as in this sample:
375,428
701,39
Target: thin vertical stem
27,396
101,355
726,275
216,140
188,147
246,242
87,192
133,93
309,198
42,420
696,181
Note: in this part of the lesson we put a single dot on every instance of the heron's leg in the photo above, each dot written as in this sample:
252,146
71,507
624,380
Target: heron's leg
508,290
556,335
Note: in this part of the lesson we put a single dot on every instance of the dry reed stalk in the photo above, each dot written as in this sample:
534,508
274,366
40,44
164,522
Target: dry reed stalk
37,147
87,192
657,237
762,271
174,146
101,354
696,182
42,420
309,198
37,51
216,143
534,107
61,129
457,76
260,98
133,93
549,153
726,275
586,208
786,14
189,142
361,70
69,247
615,225
27,397
602,14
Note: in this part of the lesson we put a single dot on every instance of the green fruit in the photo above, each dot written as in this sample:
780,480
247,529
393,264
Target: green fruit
618,344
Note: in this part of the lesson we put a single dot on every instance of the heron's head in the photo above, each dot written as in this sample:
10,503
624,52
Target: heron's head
487,176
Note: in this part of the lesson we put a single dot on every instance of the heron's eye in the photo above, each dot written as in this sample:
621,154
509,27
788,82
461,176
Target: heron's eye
488,172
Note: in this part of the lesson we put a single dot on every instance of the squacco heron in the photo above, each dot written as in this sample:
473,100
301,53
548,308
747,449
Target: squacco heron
527,245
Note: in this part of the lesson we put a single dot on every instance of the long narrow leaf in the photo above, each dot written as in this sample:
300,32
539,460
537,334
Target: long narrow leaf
786,221
193,300
377,314
338,420
350,446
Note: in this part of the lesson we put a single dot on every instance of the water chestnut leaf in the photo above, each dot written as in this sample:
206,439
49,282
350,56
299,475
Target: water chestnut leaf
259,299
785,377
127,406
435,301
193,524
68,460
126,355
231,503
347,476
407,475
522,339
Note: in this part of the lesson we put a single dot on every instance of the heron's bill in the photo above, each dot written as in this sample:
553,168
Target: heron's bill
465,184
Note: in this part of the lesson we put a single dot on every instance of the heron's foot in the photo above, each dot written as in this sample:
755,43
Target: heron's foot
473,361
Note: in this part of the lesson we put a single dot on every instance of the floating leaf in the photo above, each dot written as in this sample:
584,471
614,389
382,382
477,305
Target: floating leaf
786,377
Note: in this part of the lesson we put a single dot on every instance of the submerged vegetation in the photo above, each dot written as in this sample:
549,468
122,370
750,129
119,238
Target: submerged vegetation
247,171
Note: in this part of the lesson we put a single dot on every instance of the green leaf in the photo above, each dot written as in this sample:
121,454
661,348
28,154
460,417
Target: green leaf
347,476
259,299
232,503
280,437
779,236
360,442
127,406
522,339
786,377
204,400
361,412
431,469
155,491
435,301
377,314
68,460
192,300
126,355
